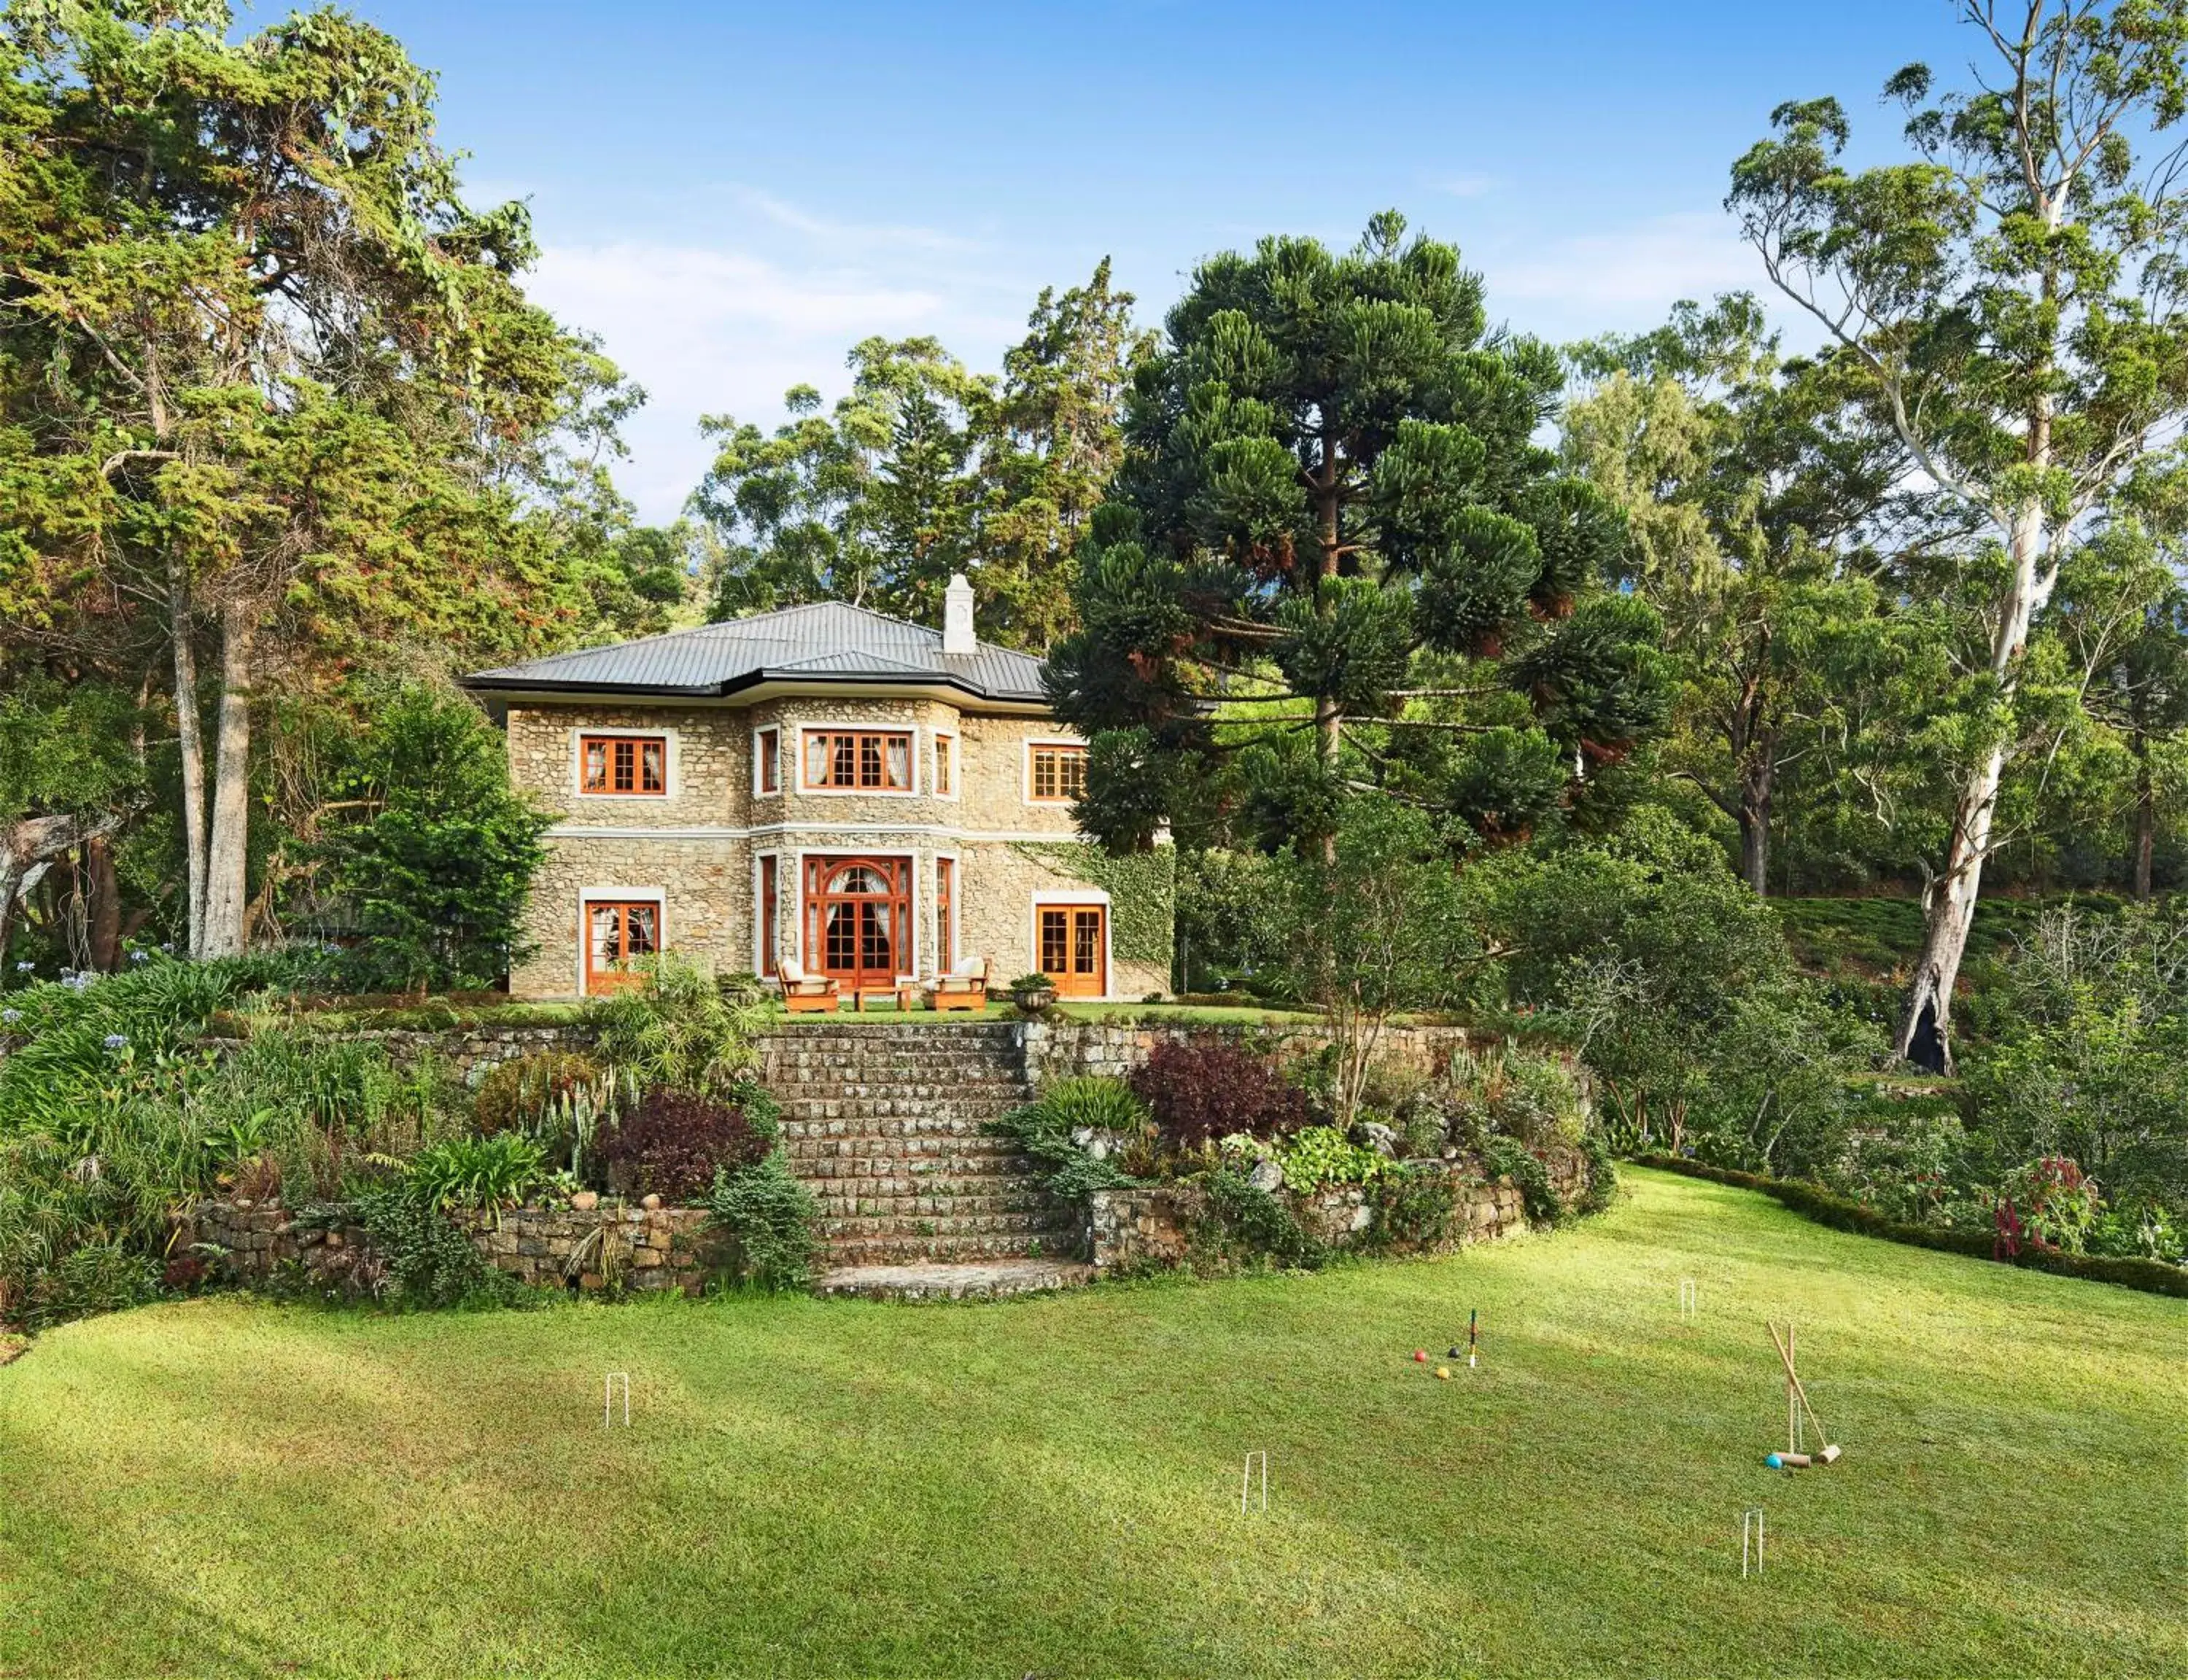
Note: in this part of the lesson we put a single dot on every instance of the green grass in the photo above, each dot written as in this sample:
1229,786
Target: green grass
1050,1486
1878,936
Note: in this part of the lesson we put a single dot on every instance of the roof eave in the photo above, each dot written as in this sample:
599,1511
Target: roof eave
497,683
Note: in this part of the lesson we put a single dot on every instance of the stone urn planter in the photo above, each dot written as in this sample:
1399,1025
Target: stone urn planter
1032,999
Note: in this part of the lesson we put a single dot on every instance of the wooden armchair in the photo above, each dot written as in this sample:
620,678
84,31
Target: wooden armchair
804,994
965,987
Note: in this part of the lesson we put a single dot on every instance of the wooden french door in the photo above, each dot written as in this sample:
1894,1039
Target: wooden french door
618,932
858,921
1074,948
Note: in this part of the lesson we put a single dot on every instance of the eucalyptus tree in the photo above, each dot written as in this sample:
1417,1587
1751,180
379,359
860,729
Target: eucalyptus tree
257,360
2013,293
1332,516
1754,505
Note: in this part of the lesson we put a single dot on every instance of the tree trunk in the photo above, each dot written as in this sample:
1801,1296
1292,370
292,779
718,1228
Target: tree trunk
190,740
29,847
2146,820
227,853
102,905
1329,722
1925,1036
1756,786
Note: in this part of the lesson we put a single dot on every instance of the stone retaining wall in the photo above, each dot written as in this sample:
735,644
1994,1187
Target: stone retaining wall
1058,1050
611,1246
1152,1227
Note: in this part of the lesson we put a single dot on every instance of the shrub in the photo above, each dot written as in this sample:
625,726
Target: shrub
476,1172
1245,1223
424,1259
1506,1159
1602,1175
1202,1089
1048,1129
526,1094
768,1219
682,1029
1413,1207
1317,1156
674,1141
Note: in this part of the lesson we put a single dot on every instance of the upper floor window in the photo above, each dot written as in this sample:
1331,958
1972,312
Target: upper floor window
767,761
1059,772
624,764
946,766
873,760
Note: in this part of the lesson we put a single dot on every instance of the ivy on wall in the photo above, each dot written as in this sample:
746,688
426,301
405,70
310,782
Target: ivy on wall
1142,889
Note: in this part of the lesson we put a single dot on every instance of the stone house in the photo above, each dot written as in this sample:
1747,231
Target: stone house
876,800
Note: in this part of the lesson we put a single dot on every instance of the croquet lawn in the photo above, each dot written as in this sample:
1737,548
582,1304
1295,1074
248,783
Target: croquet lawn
1051,1486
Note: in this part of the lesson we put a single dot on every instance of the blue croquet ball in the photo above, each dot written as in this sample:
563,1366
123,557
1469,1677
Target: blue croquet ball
1774,1462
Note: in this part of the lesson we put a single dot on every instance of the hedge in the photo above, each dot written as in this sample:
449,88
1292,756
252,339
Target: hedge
2153,1277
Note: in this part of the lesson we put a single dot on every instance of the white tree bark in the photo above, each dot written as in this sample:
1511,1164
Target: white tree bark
191,737
228,852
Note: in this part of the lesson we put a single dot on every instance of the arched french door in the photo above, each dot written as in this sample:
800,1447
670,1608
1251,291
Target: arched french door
858,921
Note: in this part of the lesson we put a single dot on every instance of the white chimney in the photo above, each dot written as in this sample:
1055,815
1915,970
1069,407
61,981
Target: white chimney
957,635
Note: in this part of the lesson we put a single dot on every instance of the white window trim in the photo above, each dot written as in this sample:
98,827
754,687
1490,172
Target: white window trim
806,726
1025,768
781,782
759,910
654,895
945,960
798,896
674,778
1038,898
956,765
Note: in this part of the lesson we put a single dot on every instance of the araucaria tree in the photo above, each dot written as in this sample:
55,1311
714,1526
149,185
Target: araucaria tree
2012,294
1337,562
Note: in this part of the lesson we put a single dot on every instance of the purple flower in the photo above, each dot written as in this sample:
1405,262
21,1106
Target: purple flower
24,967
117,1042
9,1017
140,957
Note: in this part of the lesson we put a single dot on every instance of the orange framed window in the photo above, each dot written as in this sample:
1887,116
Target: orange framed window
870,760
634,764
767,761
945,911
1059,773
946,766
768,964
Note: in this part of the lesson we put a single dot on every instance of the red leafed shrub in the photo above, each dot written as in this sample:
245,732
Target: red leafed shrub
1202,1089
671,1145
184,1271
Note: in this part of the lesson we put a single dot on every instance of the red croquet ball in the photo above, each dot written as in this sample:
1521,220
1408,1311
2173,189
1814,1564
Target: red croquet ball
1420,1356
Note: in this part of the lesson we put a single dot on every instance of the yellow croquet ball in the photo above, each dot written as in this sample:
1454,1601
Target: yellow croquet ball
1443,1374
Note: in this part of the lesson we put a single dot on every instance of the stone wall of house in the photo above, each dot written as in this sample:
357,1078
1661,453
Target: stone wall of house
694,848
1153,1227
613,1245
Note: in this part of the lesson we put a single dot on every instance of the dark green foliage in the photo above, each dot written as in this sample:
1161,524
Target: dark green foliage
1602,1175
1103,1108
674,1143
1331,487
1205,1088
770,1222
1246,1224
486,1173
1506,1157
429,1262
431,877
1413,1207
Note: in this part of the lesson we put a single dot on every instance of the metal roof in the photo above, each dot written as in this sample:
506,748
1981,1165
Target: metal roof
827,643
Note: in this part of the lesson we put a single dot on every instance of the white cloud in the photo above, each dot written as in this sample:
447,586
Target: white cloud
711,331
1591,282
848,235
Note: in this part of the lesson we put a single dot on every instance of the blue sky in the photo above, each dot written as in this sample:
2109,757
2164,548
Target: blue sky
731,195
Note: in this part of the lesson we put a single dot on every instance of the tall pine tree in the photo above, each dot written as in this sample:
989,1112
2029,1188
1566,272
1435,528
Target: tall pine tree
1337,562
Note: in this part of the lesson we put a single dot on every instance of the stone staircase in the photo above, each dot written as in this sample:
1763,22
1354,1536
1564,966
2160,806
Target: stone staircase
883,1121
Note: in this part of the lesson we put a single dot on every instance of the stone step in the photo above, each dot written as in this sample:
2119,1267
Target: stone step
959,1281
902,1250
